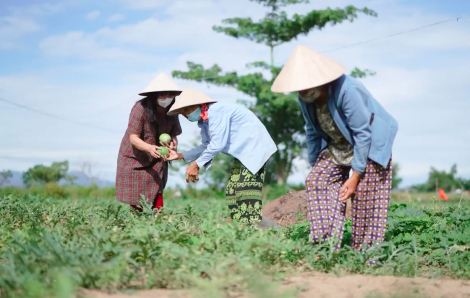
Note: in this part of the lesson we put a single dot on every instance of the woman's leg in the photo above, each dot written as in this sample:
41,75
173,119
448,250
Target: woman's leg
327,213
231,188
249,195
158,203
370,206
244,193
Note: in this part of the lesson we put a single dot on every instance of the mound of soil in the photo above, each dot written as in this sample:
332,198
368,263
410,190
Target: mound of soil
292,208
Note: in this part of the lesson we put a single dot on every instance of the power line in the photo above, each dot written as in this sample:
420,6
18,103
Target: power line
214,77
56,117
24,158
370,40
329,51
393,34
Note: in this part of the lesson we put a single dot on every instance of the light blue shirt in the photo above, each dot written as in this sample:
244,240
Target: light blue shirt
236,131
367,126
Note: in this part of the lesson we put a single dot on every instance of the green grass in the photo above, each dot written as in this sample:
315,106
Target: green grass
50,247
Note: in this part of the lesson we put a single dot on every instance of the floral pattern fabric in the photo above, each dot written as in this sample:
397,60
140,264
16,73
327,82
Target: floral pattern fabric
338,147
244,193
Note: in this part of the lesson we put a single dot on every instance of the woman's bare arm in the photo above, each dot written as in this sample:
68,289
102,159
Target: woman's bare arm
143,146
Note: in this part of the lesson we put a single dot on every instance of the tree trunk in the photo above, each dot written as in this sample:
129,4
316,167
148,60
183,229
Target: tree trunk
280,179
281,174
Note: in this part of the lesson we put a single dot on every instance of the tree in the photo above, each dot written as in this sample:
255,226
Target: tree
465,183
42,174
396,180
444,180
5,177
279,113
441,179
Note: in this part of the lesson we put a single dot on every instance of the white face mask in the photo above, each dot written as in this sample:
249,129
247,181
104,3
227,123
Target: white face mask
165,102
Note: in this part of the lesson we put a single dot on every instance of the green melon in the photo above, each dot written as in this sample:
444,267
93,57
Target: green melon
165,138
163,151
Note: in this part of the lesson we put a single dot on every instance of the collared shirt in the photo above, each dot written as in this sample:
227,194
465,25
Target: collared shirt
236,131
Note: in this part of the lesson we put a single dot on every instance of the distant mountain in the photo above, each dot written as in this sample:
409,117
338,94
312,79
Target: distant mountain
82,180
17,179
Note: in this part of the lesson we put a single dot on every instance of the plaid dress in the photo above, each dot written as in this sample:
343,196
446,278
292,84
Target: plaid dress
137,171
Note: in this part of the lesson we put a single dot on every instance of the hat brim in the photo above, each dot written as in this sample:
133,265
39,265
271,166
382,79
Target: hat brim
155,92
306,69
189,97
180,109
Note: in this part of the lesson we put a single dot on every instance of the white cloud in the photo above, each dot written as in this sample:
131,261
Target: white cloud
23,20
93,15
13,28
39,9
79,44
143,4
157,34
116,18
421,77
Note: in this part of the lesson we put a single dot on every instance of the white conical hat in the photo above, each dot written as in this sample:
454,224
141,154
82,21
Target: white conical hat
161,83
306,69
189,97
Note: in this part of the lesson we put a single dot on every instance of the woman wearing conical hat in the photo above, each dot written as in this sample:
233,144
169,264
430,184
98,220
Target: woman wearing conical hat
233,130
141,170
346,129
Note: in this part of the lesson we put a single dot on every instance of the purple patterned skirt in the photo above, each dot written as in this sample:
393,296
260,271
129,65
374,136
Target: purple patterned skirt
369,205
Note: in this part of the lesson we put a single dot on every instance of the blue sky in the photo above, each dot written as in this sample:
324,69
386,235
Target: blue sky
87,60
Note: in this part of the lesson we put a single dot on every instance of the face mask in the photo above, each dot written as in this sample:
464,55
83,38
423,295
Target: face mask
165,102
194,116
311,95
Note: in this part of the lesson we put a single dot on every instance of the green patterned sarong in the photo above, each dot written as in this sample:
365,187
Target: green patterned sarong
244,193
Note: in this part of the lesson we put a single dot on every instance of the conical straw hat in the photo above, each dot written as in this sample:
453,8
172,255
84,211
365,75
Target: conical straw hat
161,83
189,97
306,69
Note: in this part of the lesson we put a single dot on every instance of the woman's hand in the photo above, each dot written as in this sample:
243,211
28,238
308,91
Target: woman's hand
152,150
192,173
172,145
173,155
349,187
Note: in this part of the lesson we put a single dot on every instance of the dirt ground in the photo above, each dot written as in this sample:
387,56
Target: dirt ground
328,286
284,210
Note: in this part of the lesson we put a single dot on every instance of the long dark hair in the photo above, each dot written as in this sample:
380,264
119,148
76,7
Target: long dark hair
150,105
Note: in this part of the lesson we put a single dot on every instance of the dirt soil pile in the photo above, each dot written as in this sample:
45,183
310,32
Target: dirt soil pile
284,210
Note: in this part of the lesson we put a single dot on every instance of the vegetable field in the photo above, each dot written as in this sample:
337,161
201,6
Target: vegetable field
56,247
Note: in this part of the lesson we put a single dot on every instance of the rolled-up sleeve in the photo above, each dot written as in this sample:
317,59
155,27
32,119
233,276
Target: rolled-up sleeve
219,130
357,115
